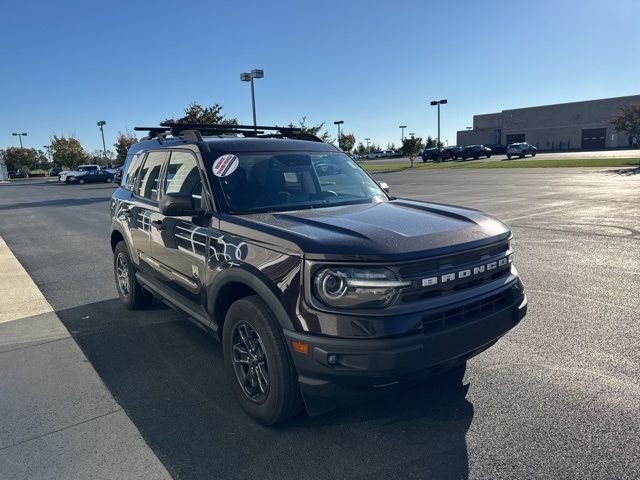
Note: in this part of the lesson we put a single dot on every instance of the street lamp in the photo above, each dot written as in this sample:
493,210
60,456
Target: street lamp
338,123
402,127
367,140
101,124
248,77
412,134
20,135
438,103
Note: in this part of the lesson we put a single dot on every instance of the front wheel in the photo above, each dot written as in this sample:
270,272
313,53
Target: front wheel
129,289
109,180
533,154
68,180
257,363
81,181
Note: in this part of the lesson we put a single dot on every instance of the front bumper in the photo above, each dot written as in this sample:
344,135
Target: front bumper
336,371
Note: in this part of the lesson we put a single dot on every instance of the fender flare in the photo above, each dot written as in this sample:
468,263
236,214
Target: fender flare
258,282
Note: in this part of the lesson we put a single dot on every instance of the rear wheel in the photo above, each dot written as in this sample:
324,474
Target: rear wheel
109,180
257,363
533,154
129,289
81,181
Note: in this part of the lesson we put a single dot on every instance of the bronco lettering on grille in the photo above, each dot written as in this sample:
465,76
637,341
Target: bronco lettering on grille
466,273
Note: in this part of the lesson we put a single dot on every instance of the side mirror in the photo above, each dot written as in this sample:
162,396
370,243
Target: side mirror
384,186
178,205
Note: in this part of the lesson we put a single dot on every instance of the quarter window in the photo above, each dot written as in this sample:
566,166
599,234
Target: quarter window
150,175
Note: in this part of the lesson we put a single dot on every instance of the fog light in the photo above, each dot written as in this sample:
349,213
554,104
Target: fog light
332,359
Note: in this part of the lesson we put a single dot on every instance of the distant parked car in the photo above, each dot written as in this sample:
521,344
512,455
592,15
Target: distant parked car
82,168
521,150
18,174
90,176
475,152
54,171
430,154
498,149
450,153
374,155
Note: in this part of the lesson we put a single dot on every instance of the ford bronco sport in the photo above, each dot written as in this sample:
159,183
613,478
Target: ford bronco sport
321,287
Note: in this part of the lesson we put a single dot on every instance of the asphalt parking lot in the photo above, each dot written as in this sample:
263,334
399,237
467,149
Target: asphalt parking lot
559,397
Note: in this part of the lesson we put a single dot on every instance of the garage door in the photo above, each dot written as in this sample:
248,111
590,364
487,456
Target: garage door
593,138
515,138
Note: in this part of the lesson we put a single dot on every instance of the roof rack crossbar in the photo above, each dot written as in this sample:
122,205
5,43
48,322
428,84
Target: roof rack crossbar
177,129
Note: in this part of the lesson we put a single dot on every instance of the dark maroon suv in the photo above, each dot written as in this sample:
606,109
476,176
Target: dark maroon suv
322,287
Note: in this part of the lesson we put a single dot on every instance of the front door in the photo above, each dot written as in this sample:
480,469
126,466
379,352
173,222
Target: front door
178,244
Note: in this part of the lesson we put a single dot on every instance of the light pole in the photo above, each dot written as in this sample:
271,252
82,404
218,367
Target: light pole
412,134
20,135
402,127
367,140
338,123
438,103
248,77
101,124
49,156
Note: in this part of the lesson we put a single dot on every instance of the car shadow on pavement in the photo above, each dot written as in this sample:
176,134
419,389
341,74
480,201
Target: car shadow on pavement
168,376
60,202
625,172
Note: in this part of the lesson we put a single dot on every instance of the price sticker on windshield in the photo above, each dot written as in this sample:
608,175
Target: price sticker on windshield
225,165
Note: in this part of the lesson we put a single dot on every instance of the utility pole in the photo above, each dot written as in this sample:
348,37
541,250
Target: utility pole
438,103
338,123
248,77
20,135
101,124
402,127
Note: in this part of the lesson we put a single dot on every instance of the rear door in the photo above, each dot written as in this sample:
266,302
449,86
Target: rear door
143,204
179,244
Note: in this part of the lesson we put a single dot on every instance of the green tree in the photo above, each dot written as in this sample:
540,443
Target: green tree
346,142
313,130
627,120
411,147
431,143
17,158
123,143
361,149
196,113
67,151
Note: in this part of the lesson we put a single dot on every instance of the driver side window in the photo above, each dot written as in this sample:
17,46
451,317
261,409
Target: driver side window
183,175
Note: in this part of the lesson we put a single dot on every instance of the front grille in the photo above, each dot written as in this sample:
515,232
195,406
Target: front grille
451,274
452,260
467,313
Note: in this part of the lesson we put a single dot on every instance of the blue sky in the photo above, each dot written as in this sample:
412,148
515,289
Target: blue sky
375,65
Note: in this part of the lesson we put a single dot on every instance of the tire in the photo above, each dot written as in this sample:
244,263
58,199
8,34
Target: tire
109,180
134,297
81,181
508,157
68,180
533,154
266,389
489,155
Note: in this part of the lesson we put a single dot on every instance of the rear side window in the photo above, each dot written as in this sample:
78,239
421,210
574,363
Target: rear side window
183,175
131,168
148,185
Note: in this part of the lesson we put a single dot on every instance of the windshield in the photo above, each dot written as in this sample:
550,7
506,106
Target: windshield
263,182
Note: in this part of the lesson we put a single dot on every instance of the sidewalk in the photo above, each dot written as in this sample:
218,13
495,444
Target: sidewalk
57,419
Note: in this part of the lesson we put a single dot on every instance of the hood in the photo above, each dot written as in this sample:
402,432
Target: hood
393,230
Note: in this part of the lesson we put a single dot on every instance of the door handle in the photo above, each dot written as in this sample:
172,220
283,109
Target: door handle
158,224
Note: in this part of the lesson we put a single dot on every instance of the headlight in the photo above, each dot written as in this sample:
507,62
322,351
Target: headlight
349,287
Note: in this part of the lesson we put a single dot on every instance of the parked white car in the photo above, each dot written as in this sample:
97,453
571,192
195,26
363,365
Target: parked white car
521,150
81,168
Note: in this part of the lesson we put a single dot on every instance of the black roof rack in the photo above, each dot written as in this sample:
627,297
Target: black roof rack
177,129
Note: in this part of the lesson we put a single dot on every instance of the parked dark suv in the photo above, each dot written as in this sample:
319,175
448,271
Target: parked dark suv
322,288
475,152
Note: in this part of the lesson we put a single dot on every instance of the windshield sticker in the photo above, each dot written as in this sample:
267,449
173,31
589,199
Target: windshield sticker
225,165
